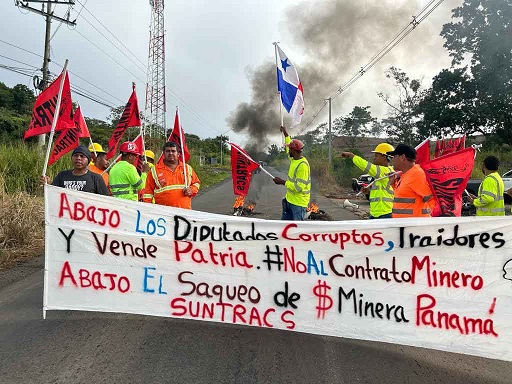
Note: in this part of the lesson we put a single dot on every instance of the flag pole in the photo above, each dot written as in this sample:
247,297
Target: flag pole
182,149
55,116
249,158
278,92
111,164
141,132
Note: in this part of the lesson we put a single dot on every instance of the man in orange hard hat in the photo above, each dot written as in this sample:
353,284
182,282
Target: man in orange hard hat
381,193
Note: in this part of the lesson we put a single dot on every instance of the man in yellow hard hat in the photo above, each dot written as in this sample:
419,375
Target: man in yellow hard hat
381,195
150,157
99,161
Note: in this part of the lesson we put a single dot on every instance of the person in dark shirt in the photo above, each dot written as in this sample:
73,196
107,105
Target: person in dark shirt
80,178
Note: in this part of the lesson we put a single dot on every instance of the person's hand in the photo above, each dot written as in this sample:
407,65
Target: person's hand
393,177
44,179
278,180
348,155
187,191
365,190
283,130
509,192
471,197
146,168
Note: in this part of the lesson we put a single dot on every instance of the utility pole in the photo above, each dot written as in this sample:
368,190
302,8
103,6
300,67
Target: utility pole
329,134
48,13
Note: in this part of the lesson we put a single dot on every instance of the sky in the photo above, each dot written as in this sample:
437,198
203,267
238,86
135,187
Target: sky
220,62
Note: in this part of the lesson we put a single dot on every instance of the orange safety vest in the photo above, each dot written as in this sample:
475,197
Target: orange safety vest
413,196
166,186
95,169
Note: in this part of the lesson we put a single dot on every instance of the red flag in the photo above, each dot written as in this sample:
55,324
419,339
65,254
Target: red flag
448,176
461,143
67,140
140,144
129,118
242,166
177,136
423,152
44,109
80,123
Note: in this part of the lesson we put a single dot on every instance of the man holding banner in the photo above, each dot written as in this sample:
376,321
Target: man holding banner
80,178
167,183
298,184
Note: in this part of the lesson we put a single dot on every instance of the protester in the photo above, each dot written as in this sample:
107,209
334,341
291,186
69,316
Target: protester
125,181
490,201
412,194
99,162
150,157
80,178
166,185
298,184
381,193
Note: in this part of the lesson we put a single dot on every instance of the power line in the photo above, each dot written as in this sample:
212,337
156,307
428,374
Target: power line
108,30
404,32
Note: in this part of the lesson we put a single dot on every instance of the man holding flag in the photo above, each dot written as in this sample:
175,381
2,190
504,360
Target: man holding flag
298,184
171,182
125,181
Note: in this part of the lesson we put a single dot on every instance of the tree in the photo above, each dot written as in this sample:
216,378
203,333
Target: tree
481,32
448,107
355,125
400,122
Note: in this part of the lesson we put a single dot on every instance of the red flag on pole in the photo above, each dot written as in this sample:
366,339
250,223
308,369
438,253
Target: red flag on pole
80,123
448,176
67,140
423,152
129,118
178,136
44,109
242,166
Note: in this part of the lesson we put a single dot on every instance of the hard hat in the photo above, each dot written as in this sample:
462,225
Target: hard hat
383,148
95,147
149,154
295,144
129,147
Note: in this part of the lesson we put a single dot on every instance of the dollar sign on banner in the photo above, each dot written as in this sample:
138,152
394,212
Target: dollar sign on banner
324,300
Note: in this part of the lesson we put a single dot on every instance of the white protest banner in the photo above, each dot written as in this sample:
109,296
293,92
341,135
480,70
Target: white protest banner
441,283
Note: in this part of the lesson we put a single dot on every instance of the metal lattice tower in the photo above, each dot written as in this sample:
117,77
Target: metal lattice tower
155,89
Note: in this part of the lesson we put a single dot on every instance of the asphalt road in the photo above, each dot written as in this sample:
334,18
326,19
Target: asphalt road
92,347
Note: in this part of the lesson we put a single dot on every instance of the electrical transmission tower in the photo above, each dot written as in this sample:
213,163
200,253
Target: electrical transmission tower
155,89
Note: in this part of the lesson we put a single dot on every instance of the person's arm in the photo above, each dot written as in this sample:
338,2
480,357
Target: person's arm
371,169
135,180
194,185
149,188
486,195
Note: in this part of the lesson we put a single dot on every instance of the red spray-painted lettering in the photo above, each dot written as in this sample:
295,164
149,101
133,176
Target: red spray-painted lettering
97,280
78,211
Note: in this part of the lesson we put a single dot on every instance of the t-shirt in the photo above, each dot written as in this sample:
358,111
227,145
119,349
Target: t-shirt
89,182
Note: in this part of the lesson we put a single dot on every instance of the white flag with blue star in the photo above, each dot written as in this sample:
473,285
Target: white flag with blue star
290,87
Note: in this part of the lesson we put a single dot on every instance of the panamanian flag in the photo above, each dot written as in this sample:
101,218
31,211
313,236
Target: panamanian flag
290,87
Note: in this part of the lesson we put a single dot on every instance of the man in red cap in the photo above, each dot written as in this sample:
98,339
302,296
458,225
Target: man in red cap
298,184
124,179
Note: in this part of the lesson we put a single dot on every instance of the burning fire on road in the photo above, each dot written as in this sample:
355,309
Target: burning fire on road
313,212
240,210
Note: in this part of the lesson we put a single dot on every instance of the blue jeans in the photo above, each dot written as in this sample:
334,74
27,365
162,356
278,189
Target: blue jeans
293,212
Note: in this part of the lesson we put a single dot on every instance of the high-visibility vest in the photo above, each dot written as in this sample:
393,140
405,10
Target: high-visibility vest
298,184
125,181
413,196
381,194
490,201
165,186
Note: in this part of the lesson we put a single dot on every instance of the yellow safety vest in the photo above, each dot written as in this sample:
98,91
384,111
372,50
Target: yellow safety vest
381,194
490,201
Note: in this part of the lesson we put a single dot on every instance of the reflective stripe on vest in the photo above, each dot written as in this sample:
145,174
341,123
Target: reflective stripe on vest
295,180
